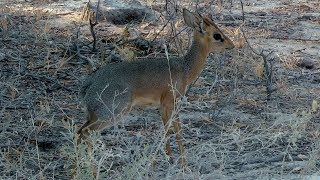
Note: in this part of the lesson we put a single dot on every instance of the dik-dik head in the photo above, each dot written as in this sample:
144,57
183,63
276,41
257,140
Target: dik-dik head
207,32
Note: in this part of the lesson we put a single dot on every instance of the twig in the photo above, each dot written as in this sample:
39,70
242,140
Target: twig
164,26
93,34
92,24
268,66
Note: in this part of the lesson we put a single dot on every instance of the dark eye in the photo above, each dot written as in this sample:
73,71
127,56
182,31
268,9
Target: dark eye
217,36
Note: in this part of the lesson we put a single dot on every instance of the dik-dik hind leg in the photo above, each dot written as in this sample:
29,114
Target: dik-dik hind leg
112,102
92,124
83,134
91,118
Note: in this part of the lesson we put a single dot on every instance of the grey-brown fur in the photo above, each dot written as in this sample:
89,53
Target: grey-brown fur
150,81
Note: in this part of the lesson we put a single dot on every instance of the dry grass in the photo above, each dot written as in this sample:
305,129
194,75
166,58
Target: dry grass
230,131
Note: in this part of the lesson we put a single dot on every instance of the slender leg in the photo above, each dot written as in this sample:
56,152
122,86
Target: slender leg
92,124
83,132
177,131
165,118
83,135
91,118
167,104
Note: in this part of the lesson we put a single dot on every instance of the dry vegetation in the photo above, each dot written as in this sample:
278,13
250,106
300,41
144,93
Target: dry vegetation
230,129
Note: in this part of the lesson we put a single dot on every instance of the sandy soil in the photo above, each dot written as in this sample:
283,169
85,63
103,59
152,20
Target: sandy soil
230,130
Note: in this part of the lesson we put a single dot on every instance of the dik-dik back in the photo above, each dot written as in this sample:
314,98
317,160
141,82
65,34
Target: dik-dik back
115,88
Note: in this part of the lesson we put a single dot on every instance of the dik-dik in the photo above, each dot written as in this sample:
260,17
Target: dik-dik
115,88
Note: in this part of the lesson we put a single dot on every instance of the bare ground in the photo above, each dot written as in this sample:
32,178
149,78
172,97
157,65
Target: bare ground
230,130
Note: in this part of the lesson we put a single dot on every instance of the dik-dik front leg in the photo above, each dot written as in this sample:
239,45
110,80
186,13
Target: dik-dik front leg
167,108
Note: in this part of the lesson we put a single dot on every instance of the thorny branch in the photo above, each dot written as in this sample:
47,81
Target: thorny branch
92,24
267,61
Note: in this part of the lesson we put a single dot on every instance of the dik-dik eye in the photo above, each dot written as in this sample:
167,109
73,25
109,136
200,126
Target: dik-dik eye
217,37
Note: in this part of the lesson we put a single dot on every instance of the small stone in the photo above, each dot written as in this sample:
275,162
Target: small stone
306,63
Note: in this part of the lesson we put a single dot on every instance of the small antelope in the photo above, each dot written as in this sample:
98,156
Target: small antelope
115,88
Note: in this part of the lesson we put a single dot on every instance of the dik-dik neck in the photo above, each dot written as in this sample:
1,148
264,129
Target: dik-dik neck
195,58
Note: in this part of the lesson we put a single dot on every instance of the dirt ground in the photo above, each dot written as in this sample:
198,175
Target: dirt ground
230,129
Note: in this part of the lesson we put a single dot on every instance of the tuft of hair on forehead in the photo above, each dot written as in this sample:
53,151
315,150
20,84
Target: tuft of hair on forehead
208,20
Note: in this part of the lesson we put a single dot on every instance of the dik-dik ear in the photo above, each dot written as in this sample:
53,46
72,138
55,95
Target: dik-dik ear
193,20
